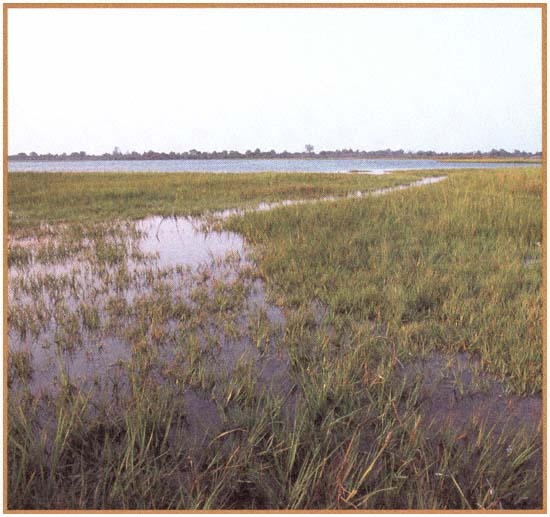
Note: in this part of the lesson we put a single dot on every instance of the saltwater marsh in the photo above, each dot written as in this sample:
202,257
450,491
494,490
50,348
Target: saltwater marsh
370,352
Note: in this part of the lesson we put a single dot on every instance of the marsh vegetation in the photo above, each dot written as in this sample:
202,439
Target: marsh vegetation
365,352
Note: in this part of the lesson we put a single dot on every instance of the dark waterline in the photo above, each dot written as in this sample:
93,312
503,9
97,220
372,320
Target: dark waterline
246,166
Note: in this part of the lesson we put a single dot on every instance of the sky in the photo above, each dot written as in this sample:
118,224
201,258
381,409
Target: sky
214,79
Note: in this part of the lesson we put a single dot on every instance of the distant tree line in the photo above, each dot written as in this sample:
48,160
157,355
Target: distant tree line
194,154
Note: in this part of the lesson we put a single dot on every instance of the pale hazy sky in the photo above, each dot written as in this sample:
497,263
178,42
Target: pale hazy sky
176,79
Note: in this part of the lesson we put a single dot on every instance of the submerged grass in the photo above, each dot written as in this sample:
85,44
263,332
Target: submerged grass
345,395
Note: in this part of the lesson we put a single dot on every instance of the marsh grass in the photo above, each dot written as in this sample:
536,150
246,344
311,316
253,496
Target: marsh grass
34,198
378,353
443,267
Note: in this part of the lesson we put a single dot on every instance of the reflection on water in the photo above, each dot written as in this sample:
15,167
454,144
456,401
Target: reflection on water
162,290
182,241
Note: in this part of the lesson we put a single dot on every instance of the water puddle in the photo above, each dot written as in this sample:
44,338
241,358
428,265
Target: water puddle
181,241
160,301
455,391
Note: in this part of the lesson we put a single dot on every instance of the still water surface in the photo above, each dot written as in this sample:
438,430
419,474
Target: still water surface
275,165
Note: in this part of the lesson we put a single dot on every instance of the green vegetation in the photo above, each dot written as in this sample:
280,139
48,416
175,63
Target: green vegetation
80,197
375,353
456,266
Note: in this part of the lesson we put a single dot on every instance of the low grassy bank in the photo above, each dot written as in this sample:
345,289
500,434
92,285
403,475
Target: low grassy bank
379,353
491,160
